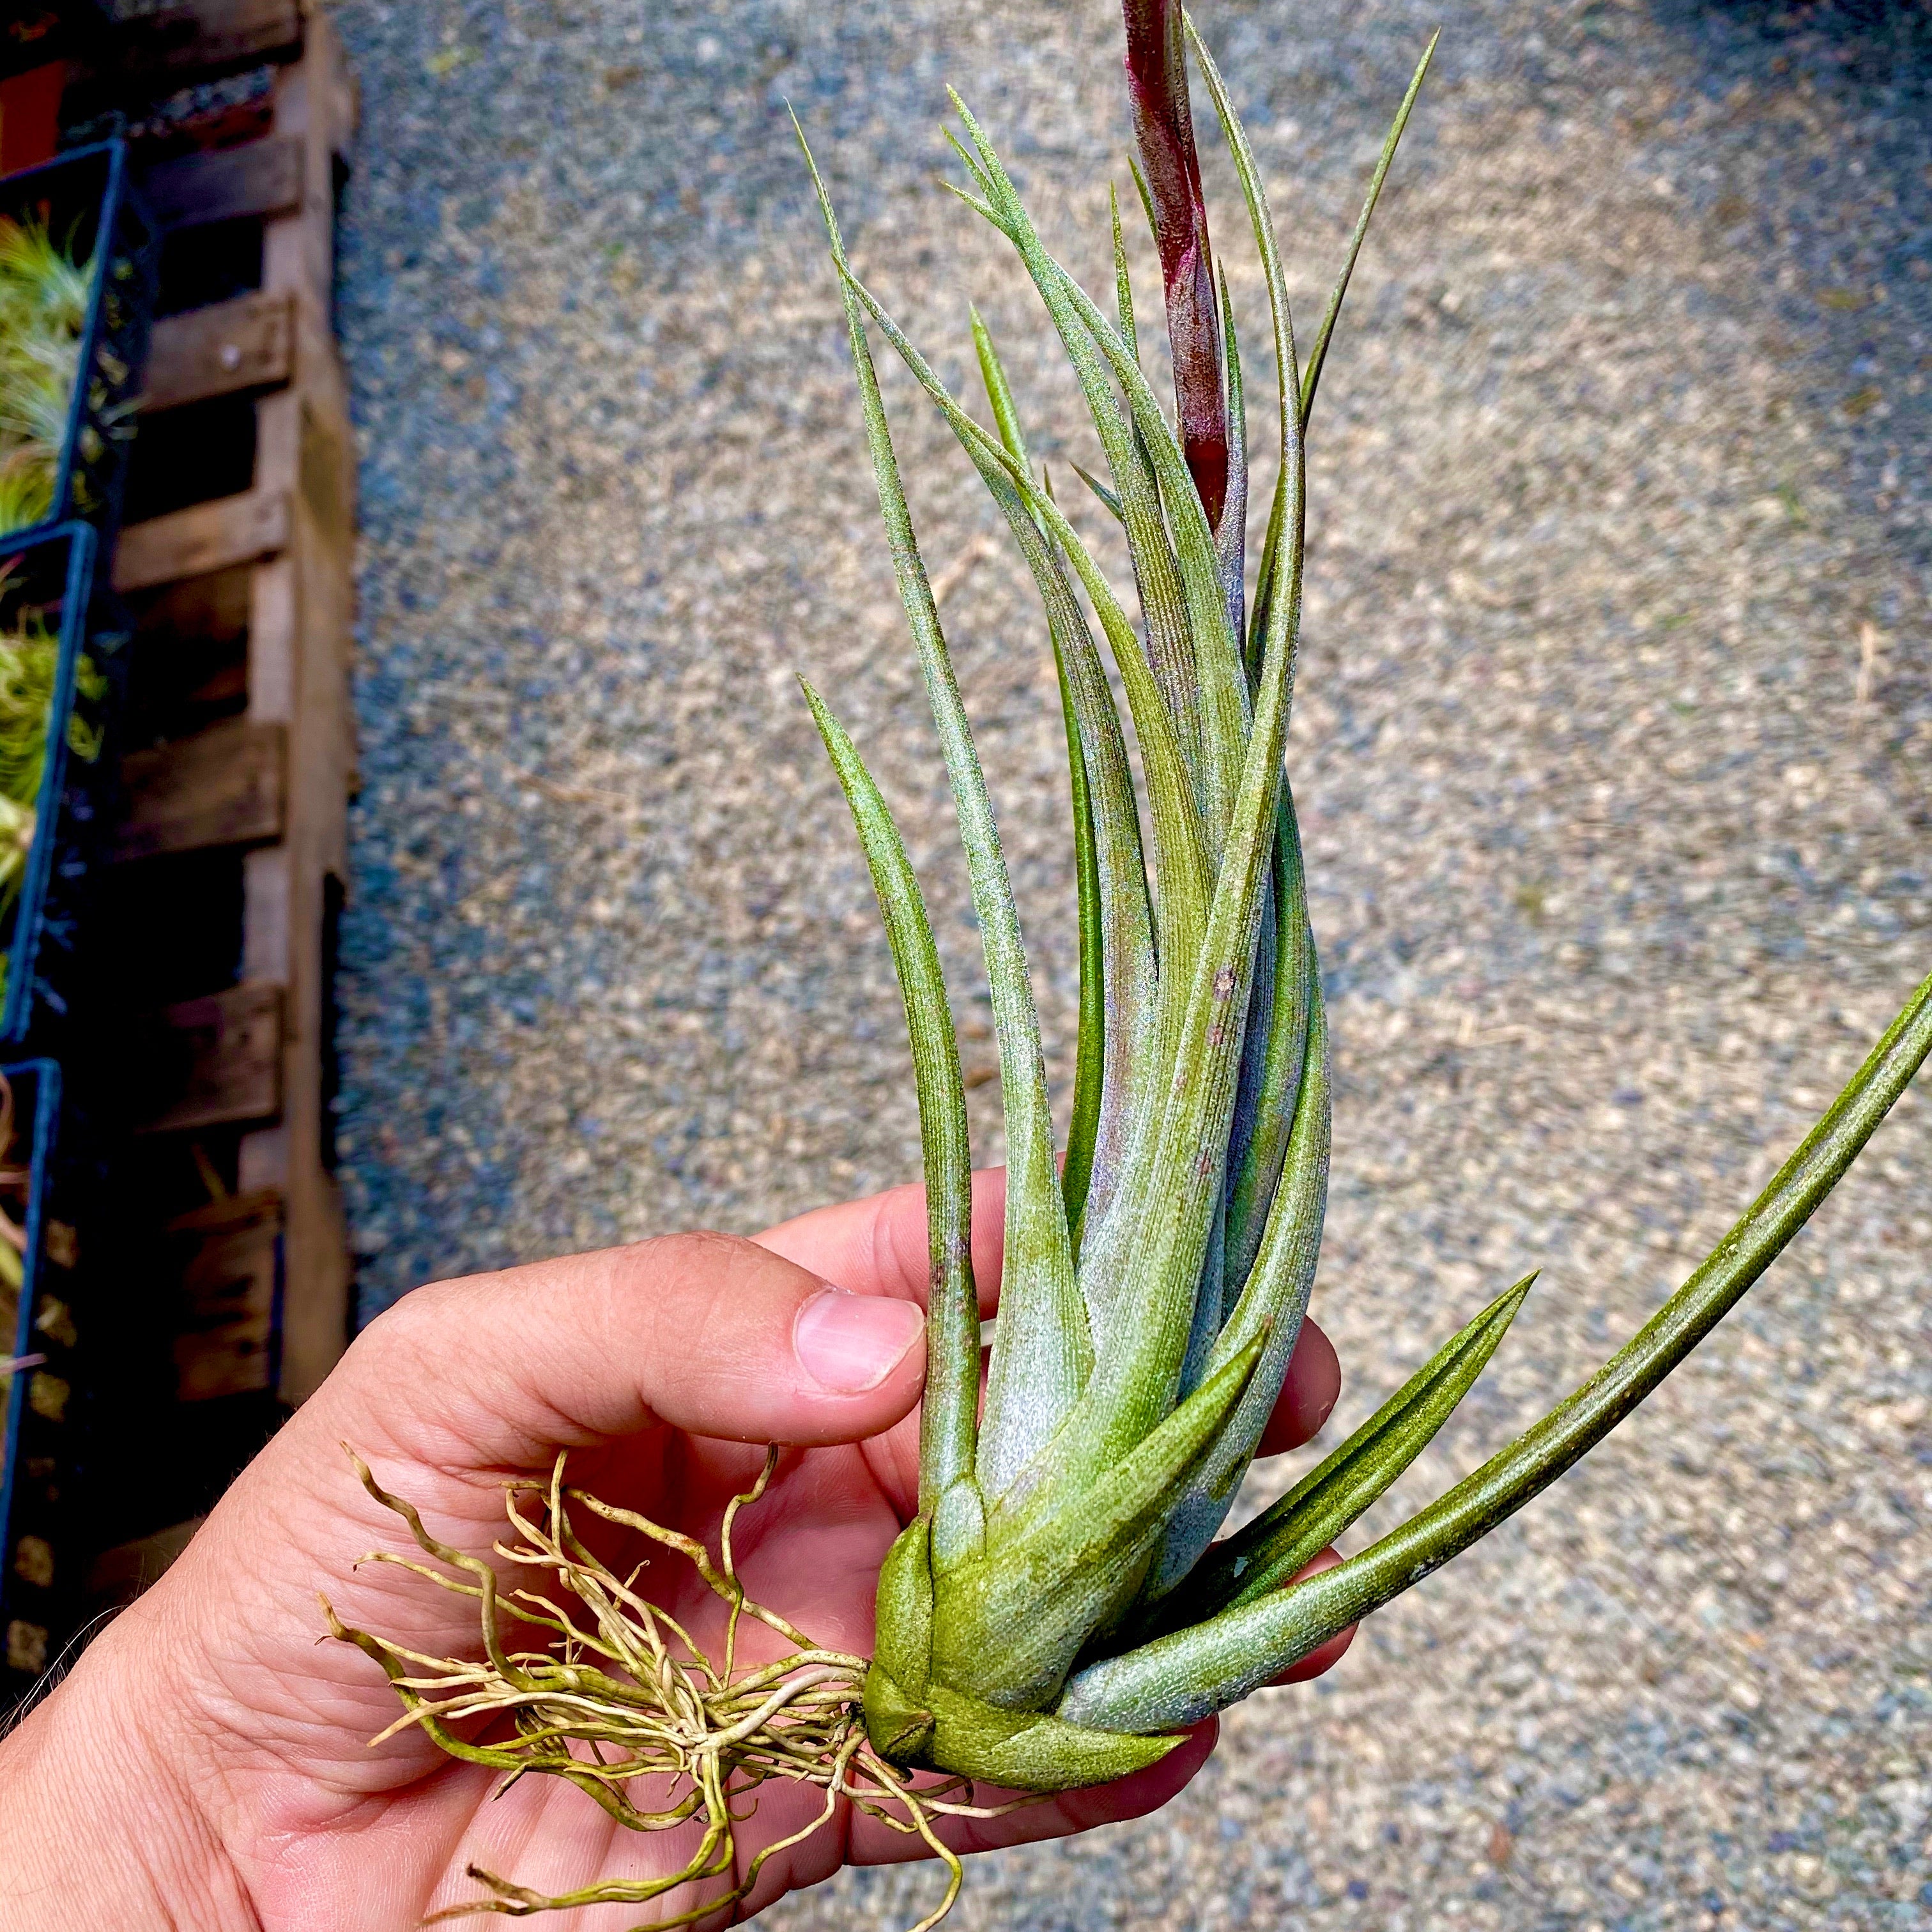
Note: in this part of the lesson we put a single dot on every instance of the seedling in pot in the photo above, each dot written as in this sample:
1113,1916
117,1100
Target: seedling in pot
30,652
44,294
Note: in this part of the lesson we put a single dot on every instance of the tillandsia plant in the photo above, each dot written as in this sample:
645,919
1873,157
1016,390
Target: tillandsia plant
44,294
30,651
1059,1608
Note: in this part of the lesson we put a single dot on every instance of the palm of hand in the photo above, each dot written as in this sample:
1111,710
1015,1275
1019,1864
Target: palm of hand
359,1826
640,1362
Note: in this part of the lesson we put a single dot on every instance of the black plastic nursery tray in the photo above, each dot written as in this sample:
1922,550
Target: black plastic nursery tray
40,1579
87,200
54,575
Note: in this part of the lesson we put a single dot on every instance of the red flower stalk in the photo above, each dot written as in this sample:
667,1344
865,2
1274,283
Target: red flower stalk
1164,131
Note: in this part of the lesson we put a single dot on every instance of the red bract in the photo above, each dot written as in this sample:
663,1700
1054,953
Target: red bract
1156,62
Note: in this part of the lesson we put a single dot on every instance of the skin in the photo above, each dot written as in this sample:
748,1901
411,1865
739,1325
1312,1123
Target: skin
206,1766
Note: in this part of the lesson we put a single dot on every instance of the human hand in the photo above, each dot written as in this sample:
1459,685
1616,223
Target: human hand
207,1765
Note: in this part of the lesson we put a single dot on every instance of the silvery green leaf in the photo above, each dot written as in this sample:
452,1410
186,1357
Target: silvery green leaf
1319,355
1178,1679
1267,1553
949,1424
1008,1627
1118,974
1042,1354
1272,1301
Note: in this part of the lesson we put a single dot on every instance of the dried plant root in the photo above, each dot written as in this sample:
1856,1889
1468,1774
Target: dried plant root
621,1691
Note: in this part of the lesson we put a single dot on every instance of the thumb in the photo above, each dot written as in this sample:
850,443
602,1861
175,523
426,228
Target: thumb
706,1332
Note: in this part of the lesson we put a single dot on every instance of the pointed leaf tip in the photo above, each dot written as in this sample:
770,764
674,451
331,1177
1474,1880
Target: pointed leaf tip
1179,1678
1350,1480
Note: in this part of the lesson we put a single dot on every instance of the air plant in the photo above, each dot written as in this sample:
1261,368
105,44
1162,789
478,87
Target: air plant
44,294
1059,1608
29,680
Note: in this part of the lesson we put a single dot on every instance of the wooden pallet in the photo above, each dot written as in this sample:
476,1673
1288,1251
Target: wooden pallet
175,42
264,574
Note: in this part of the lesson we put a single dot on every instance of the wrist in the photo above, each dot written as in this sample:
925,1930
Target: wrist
102,1825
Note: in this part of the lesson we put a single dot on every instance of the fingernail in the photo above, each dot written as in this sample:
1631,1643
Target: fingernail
849,1343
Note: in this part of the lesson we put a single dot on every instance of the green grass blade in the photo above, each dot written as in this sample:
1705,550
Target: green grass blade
1109,500
948,1422
1230,537
972,201
1268,1551
1231,541
1042,1353
1123,295
975,168
1117,941
999,393
1113,1224
1134,1382
1179,1678
1121,1178
1249,1090
1206,1324
1083,1128
1179,846
1318,354
1262,614
1131,1070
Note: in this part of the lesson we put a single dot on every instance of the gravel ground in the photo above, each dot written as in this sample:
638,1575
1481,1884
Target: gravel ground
1615,756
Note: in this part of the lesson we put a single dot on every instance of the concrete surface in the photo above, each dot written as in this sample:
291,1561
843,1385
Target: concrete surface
1614,750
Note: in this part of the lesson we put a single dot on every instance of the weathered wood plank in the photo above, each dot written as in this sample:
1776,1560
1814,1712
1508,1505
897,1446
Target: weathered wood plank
203,538
231,1277
300,668
341,89
215,609
260,179
297,627
227,785
192,33
247,343
324,475
209,1062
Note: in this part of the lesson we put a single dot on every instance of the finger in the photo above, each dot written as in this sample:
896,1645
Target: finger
878,1246
1309,1393
1327,1655
708,1333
